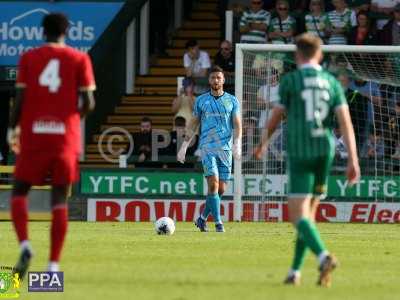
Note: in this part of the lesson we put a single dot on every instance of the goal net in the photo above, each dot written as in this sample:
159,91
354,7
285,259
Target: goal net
371,78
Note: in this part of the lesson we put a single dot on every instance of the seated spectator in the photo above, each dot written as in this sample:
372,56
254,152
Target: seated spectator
339,23
196,61
283,27
363,33
390,34
142,140
358,105
182,106
315,21
385,10
177,136
225,58
254,23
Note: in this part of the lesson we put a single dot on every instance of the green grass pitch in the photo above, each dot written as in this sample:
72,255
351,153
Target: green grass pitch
249,261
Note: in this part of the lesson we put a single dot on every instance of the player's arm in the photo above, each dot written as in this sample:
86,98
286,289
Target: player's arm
237,137
189,134
88,103
270,126
347,131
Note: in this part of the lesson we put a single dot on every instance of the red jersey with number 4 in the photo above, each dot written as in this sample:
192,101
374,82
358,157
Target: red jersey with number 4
52,76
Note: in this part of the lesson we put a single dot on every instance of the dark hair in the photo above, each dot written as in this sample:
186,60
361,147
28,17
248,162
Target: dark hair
215,69
364,13
191,44
146,120
180,121
55,24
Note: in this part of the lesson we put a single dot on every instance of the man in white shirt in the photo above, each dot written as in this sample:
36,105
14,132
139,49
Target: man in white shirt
196,61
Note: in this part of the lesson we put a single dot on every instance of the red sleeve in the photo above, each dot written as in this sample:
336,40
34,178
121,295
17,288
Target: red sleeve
86,78
22,72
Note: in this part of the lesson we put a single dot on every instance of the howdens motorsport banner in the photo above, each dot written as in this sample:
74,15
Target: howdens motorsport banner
20,25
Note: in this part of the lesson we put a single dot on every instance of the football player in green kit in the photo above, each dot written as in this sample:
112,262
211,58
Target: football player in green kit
310,97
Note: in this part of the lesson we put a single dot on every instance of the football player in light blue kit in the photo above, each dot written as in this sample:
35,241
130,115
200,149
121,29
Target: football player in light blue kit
218,115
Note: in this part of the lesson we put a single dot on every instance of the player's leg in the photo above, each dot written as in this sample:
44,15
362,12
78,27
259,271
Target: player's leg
300,184
327,261
314,203
224,165
59,224
64,171
210,170
19,215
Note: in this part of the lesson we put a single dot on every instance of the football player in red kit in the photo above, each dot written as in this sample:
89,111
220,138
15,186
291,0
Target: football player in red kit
47,111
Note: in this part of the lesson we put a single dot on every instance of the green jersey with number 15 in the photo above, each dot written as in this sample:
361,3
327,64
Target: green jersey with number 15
310,97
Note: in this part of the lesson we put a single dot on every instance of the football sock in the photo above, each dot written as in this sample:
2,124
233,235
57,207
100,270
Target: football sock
300,250
310,234
215,202
59,224
295,273
322,256
207,209
19,214
53,266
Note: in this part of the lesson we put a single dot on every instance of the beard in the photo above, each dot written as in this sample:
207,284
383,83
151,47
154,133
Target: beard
216,87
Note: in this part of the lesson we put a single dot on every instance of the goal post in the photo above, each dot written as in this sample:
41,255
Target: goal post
260,185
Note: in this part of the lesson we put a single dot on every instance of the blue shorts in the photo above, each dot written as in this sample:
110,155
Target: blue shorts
218,164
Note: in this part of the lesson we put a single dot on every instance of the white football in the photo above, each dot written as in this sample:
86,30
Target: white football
165,226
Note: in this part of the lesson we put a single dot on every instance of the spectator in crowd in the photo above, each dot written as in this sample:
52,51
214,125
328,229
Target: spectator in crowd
375,146
359,5
177,136
390,34
196,61
371,91
283,27
182,106
315,21
358,105
363,33
142,140
254,23
225,58
384,8
396,154
267,96
339,23
340,146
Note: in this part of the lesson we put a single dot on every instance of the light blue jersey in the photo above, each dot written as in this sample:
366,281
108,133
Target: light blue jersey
216,120
216,131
